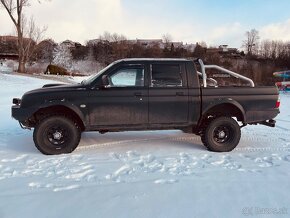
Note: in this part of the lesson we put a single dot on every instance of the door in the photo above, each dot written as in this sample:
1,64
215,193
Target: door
168,94
123,102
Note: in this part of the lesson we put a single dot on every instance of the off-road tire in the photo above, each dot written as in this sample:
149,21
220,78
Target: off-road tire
56,135
222,134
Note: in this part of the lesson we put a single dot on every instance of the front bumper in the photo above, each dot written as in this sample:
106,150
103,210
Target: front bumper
20,114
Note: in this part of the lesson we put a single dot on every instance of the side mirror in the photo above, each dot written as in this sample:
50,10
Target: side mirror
105,81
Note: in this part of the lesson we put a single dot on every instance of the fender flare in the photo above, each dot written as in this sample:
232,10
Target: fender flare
229,101
67,104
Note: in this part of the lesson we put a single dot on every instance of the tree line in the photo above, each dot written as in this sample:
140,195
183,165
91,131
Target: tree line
258,59
277,51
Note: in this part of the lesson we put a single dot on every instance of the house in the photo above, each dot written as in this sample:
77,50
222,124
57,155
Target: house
9,56
189,47
93,42
224,50
177,44
149,43
8,47
70,44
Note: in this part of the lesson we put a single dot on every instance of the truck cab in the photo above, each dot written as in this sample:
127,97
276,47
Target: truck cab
141,93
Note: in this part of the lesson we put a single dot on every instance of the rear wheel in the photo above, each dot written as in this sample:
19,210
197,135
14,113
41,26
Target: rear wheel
222,134
56,135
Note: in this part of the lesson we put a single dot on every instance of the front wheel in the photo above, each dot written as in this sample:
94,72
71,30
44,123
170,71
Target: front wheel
222,134
56,135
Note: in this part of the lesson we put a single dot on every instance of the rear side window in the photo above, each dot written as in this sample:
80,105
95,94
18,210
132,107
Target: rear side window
166,75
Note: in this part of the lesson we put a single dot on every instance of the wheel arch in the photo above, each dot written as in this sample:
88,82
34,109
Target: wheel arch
226,107
65,110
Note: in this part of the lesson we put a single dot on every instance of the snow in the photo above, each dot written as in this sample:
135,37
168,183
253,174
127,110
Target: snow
142,174
4,68
62,56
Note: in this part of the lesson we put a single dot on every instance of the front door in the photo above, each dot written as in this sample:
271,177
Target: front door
124,102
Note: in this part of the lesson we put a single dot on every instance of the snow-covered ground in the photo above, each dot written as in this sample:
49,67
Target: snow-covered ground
4,68
142,174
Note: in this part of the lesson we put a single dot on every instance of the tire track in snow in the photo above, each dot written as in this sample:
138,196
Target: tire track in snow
68,172
182,165
195,139
88,147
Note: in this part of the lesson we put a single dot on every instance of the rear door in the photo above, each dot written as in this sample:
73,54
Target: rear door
168,93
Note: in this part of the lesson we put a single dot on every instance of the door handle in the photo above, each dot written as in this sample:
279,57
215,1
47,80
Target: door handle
138,94
180,93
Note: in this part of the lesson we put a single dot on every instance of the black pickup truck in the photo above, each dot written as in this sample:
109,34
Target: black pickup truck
146,94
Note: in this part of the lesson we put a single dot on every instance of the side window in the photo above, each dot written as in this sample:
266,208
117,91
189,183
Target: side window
127,77
166,75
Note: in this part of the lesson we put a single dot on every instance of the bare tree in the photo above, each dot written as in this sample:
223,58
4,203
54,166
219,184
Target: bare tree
33,35
203,44
200,50
274,49
44,50
62,57
28,34
167,40
265,49
251,42
115,37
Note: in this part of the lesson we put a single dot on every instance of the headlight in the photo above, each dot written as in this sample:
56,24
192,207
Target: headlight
16,101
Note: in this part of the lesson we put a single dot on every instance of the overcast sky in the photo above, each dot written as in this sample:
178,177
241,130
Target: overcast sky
213,21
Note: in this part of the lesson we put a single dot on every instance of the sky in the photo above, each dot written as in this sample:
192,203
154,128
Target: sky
215,22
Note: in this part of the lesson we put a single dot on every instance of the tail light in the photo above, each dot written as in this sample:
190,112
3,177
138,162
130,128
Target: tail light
277,103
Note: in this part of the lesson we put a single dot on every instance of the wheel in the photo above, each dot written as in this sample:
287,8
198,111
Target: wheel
222,134
56,135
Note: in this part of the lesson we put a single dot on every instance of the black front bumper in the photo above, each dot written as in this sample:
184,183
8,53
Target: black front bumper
20,114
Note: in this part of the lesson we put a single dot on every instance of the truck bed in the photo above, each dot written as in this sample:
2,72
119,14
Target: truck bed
258,103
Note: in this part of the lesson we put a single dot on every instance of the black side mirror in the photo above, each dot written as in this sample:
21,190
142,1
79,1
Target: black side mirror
105,81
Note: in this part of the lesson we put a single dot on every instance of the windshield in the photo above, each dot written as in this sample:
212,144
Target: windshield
94,76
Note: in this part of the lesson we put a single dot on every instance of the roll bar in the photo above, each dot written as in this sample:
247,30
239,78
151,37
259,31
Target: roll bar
204,76
210,79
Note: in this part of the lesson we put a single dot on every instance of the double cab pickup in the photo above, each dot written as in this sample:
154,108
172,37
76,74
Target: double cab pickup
146,94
